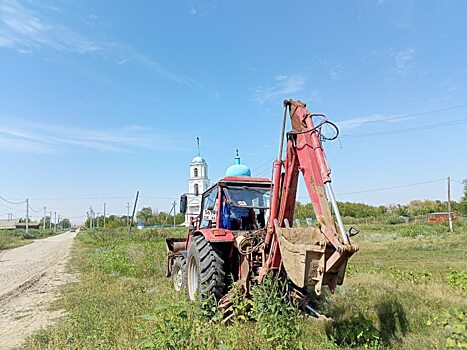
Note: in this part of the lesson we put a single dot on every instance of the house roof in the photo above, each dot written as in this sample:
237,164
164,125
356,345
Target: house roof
8,224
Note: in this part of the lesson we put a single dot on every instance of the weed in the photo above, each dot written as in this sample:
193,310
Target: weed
411,275
457,279
454,327
123,278
277,317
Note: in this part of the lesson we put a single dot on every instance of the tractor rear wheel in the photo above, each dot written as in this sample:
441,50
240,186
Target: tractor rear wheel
179,273
205,270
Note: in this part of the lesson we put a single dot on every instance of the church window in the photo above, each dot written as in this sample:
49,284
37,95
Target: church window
196,172
196,190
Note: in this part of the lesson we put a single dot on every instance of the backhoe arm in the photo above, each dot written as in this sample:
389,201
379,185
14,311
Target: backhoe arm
305,155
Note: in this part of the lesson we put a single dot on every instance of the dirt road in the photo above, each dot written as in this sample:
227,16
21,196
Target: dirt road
29,277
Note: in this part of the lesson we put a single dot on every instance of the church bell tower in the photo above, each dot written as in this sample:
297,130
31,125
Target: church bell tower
198,182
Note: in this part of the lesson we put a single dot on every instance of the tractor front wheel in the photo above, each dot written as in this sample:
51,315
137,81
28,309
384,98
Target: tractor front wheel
179,273
205,270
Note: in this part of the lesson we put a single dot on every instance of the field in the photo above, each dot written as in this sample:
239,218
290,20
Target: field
17,238
405,289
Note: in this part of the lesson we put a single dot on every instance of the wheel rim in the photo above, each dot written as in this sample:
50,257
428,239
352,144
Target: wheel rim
178,277
193,278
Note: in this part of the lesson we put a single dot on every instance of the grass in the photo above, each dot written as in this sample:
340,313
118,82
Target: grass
16,238
405,289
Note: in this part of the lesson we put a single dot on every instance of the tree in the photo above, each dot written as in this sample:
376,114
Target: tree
65,223
145,215
464,196
463,203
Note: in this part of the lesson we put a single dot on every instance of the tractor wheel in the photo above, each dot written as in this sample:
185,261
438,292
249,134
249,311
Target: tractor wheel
179,273
205,270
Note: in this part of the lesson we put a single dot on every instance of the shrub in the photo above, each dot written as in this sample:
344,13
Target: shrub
277,317
454,327
411,275
457,279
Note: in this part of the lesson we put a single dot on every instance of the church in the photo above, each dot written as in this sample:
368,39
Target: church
197,184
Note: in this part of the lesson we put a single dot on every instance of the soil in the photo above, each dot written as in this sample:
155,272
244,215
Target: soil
29,281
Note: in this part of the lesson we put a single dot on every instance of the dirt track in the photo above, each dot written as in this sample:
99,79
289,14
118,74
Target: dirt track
29,277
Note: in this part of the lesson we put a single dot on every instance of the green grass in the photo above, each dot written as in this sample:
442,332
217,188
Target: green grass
405,289
16,238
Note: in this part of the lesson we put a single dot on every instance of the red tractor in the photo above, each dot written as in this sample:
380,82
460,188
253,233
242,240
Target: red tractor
245,228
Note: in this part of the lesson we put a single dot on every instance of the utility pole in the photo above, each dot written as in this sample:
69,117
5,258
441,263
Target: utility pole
127,214
104,214
134,209
50,221
27,215
43,219
55,221
58,223
91,217
175,203
449,204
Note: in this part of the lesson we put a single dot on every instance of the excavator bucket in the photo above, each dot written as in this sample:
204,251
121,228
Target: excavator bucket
306,258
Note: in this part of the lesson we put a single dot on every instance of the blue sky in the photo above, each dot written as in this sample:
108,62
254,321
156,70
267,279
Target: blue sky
100,99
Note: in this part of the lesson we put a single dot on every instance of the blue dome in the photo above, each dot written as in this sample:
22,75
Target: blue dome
198,159
238,169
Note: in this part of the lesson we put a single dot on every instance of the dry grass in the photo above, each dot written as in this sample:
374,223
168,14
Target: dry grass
393,295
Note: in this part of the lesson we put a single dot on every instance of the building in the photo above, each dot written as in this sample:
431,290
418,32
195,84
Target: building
197,184
36,225
442,217
9,224
16,225
238,169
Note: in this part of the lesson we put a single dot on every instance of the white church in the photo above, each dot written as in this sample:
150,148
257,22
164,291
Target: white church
197,184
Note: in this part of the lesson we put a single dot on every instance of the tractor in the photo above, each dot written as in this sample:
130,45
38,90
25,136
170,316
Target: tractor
245,229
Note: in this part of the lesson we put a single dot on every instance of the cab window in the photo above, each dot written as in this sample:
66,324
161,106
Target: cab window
209,209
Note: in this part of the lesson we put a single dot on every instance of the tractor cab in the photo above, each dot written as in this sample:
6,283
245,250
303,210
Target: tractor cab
236,204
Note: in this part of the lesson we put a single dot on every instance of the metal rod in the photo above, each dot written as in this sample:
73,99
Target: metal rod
281,143
345,239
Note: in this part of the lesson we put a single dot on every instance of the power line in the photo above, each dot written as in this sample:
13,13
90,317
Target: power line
410,115
264,164
417,128
6,206
264,172
35,211
10,202
96,198
387,188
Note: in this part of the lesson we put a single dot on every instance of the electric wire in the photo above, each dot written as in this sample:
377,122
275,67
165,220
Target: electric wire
10,202
386,188
6,206
264,164
410,115
35,211
417,128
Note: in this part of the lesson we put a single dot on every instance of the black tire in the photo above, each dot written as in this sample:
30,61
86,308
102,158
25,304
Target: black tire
179,273
205,270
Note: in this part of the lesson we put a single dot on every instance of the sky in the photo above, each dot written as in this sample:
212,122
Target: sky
101,99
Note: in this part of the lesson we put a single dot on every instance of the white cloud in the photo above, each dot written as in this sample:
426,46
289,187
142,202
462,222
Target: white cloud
282,87
24,29
359,121
45,138
404,60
